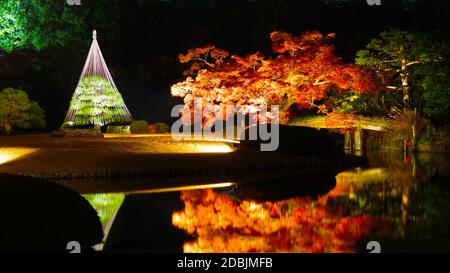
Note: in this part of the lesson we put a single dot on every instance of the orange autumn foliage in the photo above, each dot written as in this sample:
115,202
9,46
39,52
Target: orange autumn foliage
302,72
223,224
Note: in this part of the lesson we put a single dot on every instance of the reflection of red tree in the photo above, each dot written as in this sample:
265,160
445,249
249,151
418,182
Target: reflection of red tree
222,224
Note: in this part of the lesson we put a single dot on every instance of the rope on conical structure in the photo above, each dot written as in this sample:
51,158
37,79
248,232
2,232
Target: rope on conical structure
96,99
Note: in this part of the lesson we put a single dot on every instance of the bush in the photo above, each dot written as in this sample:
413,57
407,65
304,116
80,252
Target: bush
162,127
152,129
26,114
404,120
118,129
139,127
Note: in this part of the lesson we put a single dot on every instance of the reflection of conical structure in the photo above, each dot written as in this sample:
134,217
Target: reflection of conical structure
96,99
107,205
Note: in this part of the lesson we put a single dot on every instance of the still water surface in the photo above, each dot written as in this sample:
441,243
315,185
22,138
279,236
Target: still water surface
400,200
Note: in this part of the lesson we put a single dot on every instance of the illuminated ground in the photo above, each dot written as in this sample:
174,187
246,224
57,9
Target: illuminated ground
157,156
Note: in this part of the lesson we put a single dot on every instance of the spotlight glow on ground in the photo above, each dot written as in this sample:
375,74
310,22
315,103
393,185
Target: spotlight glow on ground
166,144
10,154
212,148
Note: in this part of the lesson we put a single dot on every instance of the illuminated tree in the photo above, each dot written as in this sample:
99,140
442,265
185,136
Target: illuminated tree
38,24
18,111
303,72
12,26
96,100
396,55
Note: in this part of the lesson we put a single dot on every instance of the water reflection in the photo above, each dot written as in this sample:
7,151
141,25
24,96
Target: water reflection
400,200
222,224
107,206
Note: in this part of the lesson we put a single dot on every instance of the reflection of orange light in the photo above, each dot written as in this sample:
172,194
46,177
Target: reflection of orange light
10,154
222,224
186,188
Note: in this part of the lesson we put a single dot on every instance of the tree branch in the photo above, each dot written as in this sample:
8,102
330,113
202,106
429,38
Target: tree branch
392,87
413,62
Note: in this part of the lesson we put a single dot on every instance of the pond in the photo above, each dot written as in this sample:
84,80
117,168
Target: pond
399,200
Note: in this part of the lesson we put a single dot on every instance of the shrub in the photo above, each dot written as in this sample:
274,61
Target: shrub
17,111
404,120
162,127
139,127
152,129
118,129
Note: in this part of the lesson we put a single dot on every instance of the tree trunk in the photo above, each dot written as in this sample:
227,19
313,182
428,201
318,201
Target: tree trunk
405,82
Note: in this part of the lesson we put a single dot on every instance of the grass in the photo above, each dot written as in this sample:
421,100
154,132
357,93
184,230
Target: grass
76,159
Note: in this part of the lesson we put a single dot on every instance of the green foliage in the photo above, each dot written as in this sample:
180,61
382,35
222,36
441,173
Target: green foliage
351,103
38,24
95,101
386,52
139,127
105,204
12,26
412,63
113,129
162,127
17,111
436,91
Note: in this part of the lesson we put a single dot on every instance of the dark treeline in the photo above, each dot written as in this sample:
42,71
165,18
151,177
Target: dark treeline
142,39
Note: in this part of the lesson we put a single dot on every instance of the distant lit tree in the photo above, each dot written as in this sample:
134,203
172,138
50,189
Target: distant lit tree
396,55
18,111
38,24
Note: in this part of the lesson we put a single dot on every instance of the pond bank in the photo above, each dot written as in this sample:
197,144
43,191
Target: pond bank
67,159
437,144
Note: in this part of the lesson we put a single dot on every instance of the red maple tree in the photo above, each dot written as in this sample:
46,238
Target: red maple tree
301,74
